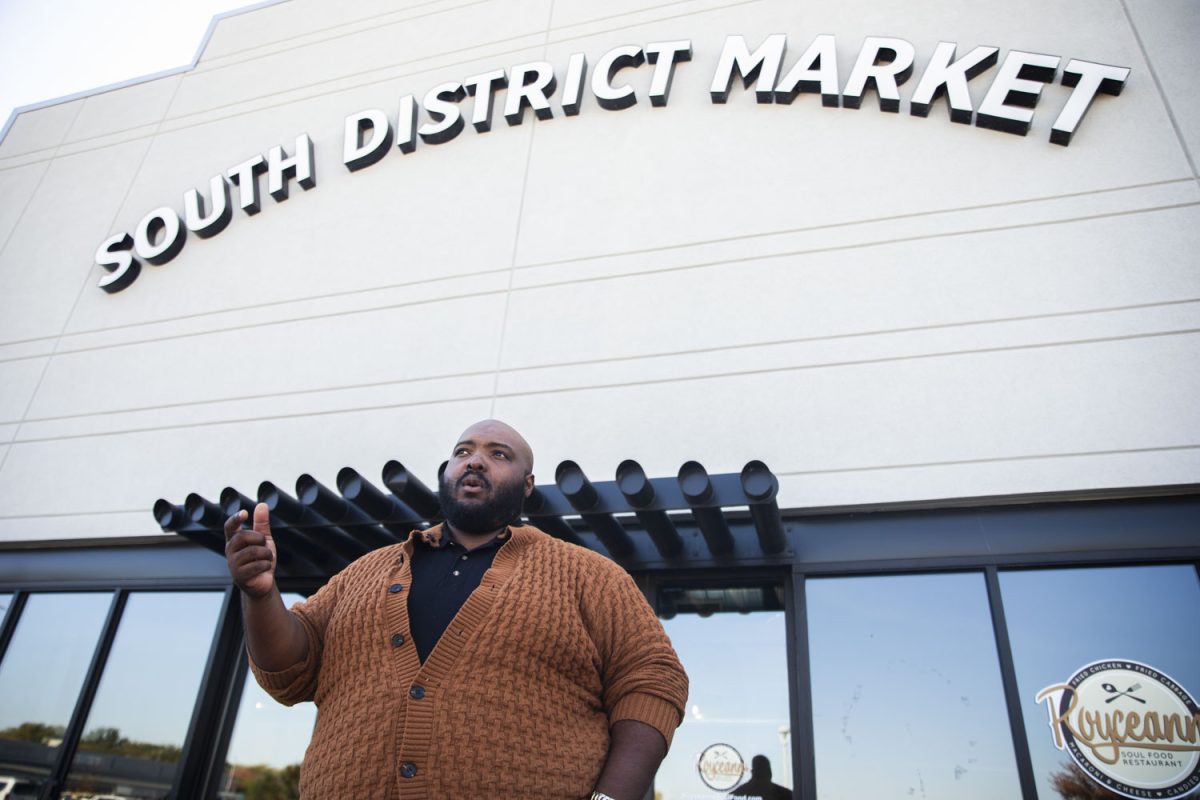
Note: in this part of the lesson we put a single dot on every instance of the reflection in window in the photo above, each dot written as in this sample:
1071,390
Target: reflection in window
1061,620
268,743
41,676
906,690
135,731
738,694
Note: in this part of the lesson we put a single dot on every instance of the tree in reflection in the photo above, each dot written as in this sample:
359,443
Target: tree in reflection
38,732
101,740
260,782
1072,783
110,740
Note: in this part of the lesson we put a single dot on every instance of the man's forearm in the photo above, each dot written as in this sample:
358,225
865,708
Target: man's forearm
274,637
635,750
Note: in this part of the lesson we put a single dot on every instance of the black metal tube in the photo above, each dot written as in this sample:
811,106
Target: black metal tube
284,505
610,531
697,491
639,492
583,497
169,516
175,519
411,491
715,530
386,509
308,522
662,532
233,501
294,553
335,508
760,487
556,526
633,483
694,483
575,486
204,512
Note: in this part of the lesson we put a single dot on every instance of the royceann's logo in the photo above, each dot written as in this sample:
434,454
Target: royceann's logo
720,767
1129,726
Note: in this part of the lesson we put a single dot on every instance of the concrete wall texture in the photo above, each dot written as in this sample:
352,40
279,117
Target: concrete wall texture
882,307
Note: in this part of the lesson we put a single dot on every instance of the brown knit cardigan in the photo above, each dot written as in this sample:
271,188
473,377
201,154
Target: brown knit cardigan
516,699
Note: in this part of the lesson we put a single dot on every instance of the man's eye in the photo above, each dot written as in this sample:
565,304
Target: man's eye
460,451
501,454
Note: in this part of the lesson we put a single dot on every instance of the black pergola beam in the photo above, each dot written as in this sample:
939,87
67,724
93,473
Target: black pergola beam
319,531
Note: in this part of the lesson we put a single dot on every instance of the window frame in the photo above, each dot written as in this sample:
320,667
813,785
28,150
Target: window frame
1145,528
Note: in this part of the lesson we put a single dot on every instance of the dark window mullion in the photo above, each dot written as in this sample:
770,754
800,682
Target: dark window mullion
209,710
804,753
83,705
8,625
215,769
1008,675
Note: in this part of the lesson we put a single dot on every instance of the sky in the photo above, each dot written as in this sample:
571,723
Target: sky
53,48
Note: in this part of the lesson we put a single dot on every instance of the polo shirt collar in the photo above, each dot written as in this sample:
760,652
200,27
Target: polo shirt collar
439,536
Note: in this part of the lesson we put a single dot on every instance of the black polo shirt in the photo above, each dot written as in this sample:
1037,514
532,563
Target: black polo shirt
443,577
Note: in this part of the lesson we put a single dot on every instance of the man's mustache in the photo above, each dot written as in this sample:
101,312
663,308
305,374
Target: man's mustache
479,476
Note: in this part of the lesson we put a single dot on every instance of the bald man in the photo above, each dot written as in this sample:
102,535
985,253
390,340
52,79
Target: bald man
479,658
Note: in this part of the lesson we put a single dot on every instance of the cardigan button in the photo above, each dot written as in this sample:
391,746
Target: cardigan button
397,639
408,769
396,587
416,692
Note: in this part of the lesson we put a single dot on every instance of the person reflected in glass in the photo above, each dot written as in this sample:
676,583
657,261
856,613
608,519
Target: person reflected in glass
760,785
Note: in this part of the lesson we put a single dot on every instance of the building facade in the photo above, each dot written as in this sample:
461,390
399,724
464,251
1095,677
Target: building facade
915,287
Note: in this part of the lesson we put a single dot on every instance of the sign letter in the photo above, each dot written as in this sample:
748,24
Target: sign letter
763,63
1010,100
1087,78
884,64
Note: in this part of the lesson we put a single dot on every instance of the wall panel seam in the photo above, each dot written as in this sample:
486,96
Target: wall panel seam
608,386
588,279
1166,101
201,65
623,359
86,280
992,460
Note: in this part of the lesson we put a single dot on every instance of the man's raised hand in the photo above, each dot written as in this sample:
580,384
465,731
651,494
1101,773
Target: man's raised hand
250,552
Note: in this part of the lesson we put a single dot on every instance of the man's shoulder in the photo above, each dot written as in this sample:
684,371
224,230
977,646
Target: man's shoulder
541,545
373,559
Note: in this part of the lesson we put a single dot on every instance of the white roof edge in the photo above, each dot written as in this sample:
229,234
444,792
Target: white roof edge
212,26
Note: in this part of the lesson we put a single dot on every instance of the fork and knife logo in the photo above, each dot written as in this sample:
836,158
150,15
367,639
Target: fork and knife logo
1115,692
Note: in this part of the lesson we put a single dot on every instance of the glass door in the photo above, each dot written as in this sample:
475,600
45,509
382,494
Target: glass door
735,740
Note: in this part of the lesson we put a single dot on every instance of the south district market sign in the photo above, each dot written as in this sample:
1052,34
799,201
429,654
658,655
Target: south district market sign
883,64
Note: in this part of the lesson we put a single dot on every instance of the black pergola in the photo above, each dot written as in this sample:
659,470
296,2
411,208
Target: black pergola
636,520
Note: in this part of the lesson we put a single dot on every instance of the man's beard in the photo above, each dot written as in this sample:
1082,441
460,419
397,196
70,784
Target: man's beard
503,508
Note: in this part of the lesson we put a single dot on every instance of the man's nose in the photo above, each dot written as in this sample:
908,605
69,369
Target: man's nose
476,462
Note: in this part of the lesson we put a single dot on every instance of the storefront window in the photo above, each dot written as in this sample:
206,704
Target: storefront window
40,678
906,689
134,734
1061,621
268,743
733,644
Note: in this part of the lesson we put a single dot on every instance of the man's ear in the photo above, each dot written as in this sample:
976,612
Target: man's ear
529,484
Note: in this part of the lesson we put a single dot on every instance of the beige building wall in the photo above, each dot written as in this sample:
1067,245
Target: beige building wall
884,308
